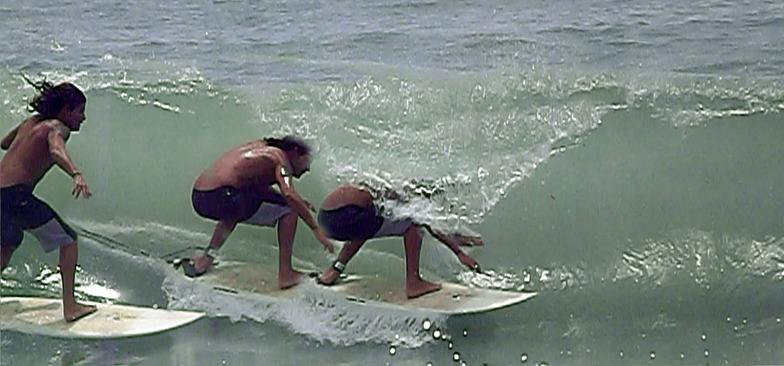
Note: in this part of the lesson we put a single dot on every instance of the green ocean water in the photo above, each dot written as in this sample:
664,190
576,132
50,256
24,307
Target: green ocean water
624,161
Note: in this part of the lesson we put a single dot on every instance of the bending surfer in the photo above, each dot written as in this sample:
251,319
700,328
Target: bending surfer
350,213
34,146
238,188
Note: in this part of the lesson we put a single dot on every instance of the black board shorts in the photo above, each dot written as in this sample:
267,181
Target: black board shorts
353,222
246,206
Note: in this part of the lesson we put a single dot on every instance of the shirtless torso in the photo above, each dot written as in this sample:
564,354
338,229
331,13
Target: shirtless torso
29,157
250,166
345,195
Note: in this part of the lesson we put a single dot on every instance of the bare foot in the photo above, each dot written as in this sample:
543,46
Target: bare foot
77,311
329,276
421,287
202,263
290,279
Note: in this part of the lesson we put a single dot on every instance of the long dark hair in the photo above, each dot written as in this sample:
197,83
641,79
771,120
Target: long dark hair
52,98
289,143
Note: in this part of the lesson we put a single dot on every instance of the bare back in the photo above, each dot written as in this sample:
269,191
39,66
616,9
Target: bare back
251,165
28,157
347,194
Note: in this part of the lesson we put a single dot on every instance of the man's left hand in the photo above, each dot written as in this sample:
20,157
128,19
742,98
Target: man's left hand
80,187
469,262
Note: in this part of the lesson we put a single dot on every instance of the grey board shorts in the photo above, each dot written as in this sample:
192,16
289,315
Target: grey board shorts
21,211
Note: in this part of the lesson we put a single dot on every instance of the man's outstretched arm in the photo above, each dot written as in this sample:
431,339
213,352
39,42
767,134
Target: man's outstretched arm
451,242
63,160
295,201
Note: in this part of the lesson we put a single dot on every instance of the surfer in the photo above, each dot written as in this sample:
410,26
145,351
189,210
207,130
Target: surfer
34,146
351,213
238,188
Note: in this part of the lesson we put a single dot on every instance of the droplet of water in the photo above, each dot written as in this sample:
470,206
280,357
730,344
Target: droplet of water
728,319
392,350
450,345
704,337
682,355
426,324
706,352
621,353
456,357
524,358
437,334
465,332
653,355
744,320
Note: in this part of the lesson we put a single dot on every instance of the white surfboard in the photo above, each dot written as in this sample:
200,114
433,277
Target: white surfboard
45,316
261,279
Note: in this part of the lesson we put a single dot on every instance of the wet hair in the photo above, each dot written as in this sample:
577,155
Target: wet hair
52,98
289,143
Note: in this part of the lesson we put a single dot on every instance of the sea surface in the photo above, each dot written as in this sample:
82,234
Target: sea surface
625,159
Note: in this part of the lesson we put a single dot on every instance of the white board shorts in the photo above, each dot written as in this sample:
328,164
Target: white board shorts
268,214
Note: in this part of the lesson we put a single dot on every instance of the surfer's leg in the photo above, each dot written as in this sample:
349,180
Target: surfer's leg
415,285
11,238
287,227
71,309
11,233
223,229
53,233
5,255
331,274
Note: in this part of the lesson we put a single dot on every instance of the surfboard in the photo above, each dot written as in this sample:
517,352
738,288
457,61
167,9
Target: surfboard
44,316
261,280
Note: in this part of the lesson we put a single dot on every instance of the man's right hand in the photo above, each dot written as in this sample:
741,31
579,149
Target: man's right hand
323,239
